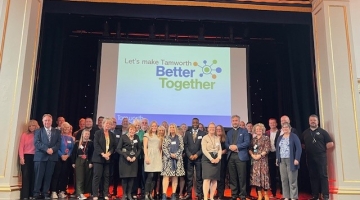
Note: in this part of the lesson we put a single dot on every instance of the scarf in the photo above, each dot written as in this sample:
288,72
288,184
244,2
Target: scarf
174,149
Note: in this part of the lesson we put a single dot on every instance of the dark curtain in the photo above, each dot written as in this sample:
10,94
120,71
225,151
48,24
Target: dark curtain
66,72
48,71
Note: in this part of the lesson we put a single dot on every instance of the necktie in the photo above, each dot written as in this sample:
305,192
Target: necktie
194,136
48,133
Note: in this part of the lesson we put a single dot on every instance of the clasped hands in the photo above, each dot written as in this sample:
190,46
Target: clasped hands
130,159
233,148
106,155
172,155
49,151
193,157
215,160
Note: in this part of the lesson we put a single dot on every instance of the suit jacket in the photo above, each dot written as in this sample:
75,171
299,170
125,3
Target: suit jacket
42,143
100,146
192,147
242,143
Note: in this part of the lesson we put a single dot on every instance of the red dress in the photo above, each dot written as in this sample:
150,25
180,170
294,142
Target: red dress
260,168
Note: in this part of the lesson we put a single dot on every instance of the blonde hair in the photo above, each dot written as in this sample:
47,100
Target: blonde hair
260,125
107,119
172,124
63,126
31,123
132,126
82,137
149,131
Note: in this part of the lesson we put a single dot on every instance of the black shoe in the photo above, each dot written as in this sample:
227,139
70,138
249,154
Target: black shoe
163,196
233,198
200,197
173,196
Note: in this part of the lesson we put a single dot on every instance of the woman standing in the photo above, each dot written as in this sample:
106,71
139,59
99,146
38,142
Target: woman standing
139,186
220,132
81,161
60,177
173,166
104,146
211,148
152,165
288,153
129,150
26,155
259,149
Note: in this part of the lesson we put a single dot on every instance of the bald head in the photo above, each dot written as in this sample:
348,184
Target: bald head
284,119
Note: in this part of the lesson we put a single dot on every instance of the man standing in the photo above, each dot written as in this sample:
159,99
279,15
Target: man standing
89,127
286,119
272,134
192,143
47,142
114,168
317,141
99,122
237,143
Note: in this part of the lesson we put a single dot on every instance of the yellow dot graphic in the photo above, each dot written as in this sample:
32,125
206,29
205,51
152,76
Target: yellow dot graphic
195,64
214,76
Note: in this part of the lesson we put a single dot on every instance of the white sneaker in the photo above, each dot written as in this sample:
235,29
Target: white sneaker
54,195
62,195
106,198
82,196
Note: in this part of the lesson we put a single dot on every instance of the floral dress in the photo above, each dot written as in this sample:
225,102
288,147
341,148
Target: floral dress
260,168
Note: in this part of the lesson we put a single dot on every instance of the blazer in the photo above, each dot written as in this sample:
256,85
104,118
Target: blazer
242,143
192,147
295,150
100,146
42,143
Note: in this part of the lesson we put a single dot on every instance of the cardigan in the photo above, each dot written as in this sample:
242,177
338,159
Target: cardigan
295,150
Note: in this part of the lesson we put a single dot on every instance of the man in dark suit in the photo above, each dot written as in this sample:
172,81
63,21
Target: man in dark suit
237,143
47,142
192,143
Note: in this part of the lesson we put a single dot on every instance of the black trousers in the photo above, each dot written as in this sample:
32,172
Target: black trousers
60,178
272,172
248,172
190,174
27,176
221,182
43,174
114,173
237,174
101,170
317,166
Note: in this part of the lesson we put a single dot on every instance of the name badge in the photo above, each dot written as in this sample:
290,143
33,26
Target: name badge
123,150
174,142
199,137
117,136
69,141
81,146
135,141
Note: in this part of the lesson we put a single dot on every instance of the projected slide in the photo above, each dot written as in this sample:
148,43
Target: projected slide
172,83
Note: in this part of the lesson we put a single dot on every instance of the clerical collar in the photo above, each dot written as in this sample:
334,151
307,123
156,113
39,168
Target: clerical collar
235,128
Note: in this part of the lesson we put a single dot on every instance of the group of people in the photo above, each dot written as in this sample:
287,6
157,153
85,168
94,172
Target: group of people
148,157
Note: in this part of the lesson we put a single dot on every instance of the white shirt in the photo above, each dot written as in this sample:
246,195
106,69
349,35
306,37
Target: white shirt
272,141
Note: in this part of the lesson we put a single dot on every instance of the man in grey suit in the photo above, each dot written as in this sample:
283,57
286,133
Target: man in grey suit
47,142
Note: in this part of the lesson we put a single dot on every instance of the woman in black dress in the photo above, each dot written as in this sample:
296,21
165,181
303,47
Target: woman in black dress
211,161
129,149
220,132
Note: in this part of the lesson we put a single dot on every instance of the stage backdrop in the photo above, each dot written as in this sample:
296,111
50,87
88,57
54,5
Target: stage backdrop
173,83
